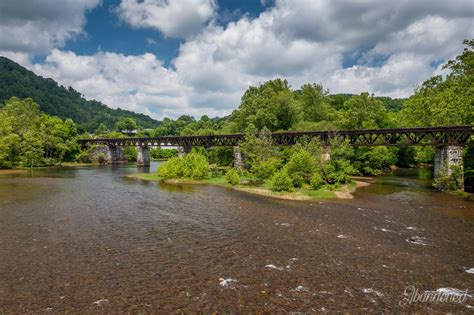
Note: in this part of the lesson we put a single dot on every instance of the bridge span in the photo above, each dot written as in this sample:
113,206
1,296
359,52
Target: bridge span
448,141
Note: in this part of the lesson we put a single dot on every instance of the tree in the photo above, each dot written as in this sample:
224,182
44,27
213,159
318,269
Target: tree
271,105
363,111
33,138
448,101
312,102
126,125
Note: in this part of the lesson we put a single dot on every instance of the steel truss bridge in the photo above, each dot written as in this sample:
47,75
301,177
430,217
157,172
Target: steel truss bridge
424,136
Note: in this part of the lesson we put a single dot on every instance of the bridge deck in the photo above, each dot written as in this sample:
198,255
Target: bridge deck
421,136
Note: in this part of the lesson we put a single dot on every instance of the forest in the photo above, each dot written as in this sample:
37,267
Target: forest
29,137
56,100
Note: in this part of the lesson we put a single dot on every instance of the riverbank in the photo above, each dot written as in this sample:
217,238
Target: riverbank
298,194
11,171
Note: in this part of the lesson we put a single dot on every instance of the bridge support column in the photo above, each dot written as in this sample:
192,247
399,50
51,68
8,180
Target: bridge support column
446,157
238,161
182,150
143,156
326,154
114,154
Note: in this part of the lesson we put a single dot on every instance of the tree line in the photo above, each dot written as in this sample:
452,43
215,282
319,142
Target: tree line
29,137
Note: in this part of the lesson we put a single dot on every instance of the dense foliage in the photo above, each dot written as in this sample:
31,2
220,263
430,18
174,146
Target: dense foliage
193,165
31,138
60,101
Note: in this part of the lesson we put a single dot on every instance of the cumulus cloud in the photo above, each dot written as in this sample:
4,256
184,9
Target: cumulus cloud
139,83
307,42
174,18
36,26
391,47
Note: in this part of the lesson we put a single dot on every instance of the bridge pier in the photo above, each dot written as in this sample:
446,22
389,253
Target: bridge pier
326,153
445,157
182,150
143,155
113,154
238,161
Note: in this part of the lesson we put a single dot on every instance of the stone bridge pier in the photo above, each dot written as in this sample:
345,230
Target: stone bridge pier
143,155
446,157
113,154
182,150
238,161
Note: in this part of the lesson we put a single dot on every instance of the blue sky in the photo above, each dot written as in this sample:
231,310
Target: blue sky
106,32
166,58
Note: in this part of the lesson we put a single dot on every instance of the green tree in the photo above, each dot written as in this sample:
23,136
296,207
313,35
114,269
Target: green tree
448,101
271,105
363,112
126,125
312,102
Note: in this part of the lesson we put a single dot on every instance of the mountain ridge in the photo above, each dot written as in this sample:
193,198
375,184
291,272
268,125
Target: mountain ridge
57,100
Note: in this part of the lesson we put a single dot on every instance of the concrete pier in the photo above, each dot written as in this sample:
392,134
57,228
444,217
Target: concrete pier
143,156
445,158
238,161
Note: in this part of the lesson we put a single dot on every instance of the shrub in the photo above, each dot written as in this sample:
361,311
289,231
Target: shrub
130,154
265,169
84,157
281,181
339,171
232,177
101,158
193,165
449,182
316,181
170,169
301,167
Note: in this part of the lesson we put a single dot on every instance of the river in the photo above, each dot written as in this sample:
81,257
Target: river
88,240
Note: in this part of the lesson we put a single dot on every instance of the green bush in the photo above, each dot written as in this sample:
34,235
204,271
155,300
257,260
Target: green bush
449,182
101,158
84,157
372,161
317,181
170,169
193,165
281,181
159,153
339,171
265,169
232,177
130,154
301,167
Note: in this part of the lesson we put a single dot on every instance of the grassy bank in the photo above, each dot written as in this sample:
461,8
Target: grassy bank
326,192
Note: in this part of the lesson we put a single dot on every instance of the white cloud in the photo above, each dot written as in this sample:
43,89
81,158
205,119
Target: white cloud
139,83
396,46
174,18
36,26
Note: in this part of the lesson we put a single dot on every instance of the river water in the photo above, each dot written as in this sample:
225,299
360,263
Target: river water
90,240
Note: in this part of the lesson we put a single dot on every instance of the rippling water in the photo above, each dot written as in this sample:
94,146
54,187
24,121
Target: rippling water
91,240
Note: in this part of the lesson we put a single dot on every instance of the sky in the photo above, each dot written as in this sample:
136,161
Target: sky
166,58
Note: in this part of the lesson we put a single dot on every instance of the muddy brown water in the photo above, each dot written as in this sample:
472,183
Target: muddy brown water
90,240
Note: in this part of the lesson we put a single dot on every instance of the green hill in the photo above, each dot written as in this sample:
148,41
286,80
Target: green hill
59,101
